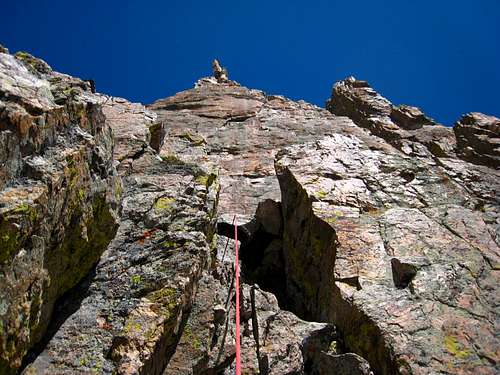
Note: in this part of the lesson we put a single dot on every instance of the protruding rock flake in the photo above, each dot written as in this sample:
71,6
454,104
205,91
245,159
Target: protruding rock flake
369,234
478,139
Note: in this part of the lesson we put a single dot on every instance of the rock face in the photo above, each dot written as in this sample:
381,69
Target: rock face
478,137
144,284
406,269
286,343
238,131
402,253
58,195
405,127
372,232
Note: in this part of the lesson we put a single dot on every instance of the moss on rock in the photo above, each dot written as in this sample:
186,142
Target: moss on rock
9,242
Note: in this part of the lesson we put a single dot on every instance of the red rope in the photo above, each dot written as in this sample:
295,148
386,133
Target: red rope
237,289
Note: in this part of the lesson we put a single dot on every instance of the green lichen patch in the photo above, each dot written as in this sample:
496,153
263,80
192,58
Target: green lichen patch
136,279
194,139
333,217
166,301
83,362
170,244
70,92
74,171
455,348
77,251
32,63
118,188
321,194
333,347
163,204
172,159
25,210
82,194
132,326
190,338
205,179
10,237
72,166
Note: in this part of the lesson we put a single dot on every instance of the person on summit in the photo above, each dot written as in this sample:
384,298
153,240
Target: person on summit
220,73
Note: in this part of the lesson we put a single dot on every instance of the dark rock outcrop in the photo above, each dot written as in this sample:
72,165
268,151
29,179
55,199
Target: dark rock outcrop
478,139
404,127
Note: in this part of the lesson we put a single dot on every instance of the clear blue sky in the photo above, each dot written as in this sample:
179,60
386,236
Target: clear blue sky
442,56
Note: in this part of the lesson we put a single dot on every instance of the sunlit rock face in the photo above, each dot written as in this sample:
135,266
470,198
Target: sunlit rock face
369,234
237,131
398,247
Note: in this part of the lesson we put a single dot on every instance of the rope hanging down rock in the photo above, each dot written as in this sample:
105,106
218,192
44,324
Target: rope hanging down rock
237,290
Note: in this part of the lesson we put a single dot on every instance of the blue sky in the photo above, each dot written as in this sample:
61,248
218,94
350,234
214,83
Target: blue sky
442,56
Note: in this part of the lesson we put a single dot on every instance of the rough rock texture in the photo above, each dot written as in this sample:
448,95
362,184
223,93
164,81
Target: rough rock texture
404,127
402,253
340,364
478,137
387,232
143,286
238,131
58,193
207,346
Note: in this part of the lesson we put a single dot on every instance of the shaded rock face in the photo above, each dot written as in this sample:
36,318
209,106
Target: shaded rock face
58,195
372,232
136,303
342,364
286,343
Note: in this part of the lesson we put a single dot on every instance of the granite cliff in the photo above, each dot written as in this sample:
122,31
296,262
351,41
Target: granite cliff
370,234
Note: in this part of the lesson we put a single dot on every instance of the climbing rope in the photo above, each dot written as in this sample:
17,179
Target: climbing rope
237,290
236,280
